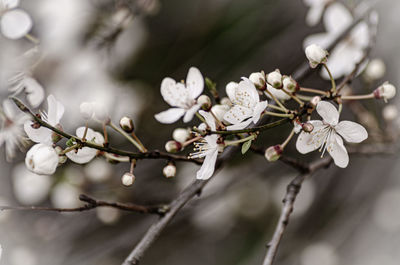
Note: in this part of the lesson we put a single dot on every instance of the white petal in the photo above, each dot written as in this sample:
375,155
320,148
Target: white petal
259,108
175,94
314,15
230,90
352,132
86,154
15,24
237,114
169,116
308,142
208,167
55,110
194,82
328,112
337,151
321,39
337,18
8,108
360,35
39,135
191,112
278,93
209,119
239,126
35,92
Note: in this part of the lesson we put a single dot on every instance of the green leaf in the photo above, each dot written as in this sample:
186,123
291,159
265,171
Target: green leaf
71,142
246,146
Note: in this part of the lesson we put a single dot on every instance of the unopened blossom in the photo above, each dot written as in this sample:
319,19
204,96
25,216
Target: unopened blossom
126,124
127,179
169,171
316,10
375,70
316,55
181,97
348,52
87,110
24,82
327,135
275,79
258,79
85,154
181,134
385,91
12,133
273,153
205,102
42,159
247,107
207,147
173,146
15,23
53,116
289,84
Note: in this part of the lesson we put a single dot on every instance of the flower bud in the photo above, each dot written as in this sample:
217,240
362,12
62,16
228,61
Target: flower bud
42,159
226,101
128,179
126,124
390,112
316,55
169,171
205,102
275,79
181,135
258,79
375,70
101,114
173,146
289,84
308,127
385,91
273,153
314,101
87,110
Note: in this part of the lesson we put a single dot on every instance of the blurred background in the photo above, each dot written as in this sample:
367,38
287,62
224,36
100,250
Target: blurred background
349,216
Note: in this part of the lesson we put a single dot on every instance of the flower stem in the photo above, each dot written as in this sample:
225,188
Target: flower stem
139,142
357,97
217,120
235,142
32,38
333,89
283,145
276,107
69,149
301,103
85,132
127,136
285,115
191,141
277,101
312,90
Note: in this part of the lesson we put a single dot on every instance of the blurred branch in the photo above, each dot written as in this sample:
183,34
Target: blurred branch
155,154
92,203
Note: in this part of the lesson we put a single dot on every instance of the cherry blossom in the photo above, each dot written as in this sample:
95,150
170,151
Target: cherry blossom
181,97
25,82
247,106
349,51
15,23
12,133
327,135
208,147
42,159
85,154
52,117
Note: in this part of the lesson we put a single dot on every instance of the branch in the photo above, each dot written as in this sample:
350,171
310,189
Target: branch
288,202
92,203
155,154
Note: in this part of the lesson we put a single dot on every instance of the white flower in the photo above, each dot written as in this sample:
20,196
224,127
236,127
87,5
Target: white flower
14,23
85,154
87,110
25,82
349,51
52,117
385,91
12,132
65,195
316,55
182,97
278,93
207,148
328,133
42,159
375,70
246,108
316,10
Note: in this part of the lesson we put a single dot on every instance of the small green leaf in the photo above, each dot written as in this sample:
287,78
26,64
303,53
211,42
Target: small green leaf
246,146
71,142
210,84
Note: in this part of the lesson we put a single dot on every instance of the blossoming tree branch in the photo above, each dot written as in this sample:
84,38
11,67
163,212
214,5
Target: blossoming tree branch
253,105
